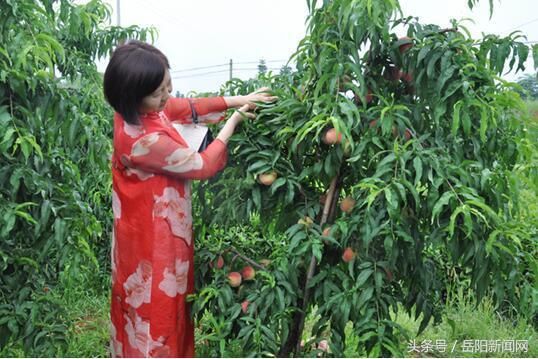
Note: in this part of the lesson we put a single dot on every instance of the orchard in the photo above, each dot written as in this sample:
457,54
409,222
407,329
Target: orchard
386,172
396,168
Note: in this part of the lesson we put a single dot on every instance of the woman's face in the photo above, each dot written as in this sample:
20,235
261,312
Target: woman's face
155,101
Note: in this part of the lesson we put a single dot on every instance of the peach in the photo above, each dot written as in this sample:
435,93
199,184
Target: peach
268,178
248,273
331,137
348,255
234,278
220,262
347,204
244,306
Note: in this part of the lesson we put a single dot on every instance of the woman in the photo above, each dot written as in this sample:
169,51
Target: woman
152,165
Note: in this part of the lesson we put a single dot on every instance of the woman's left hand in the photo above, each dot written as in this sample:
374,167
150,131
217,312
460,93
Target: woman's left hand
260,95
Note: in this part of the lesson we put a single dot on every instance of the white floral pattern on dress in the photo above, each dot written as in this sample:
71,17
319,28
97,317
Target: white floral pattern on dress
176,211
183,160
138,285
133,131
116,205
141,147
175,283
116,347
140,338
142,175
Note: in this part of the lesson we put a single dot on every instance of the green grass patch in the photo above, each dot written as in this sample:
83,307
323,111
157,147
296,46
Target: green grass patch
88,308
470,330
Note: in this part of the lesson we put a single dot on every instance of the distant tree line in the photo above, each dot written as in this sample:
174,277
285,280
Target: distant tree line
529,86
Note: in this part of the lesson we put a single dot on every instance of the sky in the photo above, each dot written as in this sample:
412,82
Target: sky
210,33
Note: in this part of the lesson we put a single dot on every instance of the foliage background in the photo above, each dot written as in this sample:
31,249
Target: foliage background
54,163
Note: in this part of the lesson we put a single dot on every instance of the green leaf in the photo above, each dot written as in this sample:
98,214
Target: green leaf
417,164
451,226
483,124
365,296
363,277
430,70
456,117
466,123
423,53
257,166
391,199
443,201
388,159
257,197
277,184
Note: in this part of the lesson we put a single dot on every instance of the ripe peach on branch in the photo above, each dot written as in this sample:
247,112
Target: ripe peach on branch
332,137
348,255
234,279
347,204
244,306
248,273
267,178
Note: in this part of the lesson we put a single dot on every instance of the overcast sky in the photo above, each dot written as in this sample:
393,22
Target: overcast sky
208,33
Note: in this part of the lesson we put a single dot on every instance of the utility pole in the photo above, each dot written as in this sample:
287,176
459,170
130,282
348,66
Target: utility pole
118,13
231,66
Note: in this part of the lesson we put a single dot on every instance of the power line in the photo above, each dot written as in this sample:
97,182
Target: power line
198,68
220,65
524,24
257,62
221,71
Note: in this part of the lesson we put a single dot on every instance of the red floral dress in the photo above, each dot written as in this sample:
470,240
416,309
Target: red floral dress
152,247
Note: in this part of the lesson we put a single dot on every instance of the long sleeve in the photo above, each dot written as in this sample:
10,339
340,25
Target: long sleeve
209,109
158,153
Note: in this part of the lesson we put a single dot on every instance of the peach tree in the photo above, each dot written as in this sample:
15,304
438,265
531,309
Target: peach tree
389,167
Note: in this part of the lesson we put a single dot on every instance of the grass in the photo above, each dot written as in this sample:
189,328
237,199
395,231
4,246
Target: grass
88,315
465,322
88,334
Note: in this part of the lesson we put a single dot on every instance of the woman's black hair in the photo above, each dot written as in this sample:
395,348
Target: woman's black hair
135,70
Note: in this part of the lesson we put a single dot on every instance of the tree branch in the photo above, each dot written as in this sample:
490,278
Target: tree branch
312,267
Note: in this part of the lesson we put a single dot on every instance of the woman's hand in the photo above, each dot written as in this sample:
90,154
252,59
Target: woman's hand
239,115
236,118
260,95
